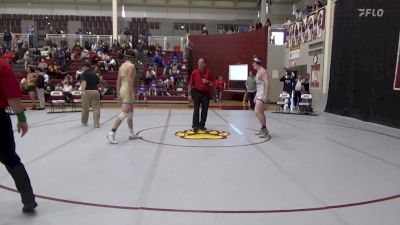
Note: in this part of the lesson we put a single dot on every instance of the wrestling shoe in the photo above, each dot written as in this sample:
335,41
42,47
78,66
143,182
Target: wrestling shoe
111,137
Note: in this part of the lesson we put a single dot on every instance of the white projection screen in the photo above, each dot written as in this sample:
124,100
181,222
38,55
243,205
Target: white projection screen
238,72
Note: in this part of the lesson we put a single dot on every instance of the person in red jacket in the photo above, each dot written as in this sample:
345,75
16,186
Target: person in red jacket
220,86
10,96
201,80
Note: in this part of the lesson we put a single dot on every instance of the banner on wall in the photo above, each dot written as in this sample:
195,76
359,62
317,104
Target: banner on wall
307,29
315,75
396,84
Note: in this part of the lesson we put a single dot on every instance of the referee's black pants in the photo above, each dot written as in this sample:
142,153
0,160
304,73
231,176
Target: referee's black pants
202,98
11,160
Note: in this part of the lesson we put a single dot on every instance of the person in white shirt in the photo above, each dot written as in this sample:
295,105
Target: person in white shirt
67,90
104,60
112,65
297,91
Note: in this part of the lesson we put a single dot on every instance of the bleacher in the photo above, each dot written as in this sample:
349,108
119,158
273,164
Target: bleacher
111,79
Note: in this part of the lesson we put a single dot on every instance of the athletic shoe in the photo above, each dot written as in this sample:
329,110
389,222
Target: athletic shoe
29,208
261,131
134,136
111,137
203,128
265,133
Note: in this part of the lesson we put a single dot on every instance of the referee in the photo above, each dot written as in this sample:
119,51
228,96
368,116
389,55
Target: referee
201,80
90,95
10,95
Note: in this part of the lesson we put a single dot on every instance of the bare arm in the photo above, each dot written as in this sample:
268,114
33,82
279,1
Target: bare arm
16,105
131,78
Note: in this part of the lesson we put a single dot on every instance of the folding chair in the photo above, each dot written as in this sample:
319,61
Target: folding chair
305,104
57,98
281,102
76,99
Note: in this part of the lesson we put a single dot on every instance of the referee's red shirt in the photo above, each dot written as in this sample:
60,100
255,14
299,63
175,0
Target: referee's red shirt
9,87
195,79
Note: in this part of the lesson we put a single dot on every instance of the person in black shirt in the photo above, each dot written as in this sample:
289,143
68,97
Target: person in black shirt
288,81
90,95
40,88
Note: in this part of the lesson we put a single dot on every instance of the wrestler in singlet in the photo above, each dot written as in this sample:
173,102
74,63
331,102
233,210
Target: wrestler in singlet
126,75
124,90
260,88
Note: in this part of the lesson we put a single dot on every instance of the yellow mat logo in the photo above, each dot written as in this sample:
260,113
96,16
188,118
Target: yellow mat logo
201,134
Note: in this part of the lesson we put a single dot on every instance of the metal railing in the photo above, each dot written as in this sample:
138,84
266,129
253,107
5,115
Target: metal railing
168,43
81,39
15,38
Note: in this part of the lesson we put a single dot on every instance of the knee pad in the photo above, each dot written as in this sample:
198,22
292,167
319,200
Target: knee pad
122,116
130,116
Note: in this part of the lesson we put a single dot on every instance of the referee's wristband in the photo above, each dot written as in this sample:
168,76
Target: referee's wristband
21,117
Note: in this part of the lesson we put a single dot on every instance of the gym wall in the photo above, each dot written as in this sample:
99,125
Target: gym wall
220,51
364,55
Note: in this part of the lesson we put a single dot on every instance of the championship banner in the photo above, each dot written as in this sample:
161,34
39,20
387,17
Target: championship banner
396,84
306,29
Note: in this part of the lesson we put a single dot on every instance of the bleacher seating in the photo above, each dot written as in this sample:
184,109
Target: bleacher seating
111,78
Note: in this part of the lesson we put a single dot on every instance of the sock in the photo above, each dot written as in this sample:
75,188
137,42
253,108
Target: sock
131,130
263,126
114,130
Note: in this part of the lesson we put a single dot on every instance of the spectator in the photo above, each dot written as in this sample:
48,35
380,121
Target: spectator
204,31
220,86
42,65
268,23
67,91
68,78
306,84
298,86
103,86
31,32
298,14
142,91
58,87
174,74
36,55
112,65
258,25
7,38
27,58
157,59
150,75
153,88
317,5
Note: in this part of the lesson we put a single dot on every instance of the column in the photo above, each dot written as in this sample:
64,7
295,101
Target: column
115,19
329,19
263,12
